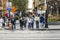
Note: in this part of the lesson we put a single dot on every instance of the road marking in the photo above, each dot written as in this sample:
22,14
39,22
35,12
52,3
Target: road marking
30,38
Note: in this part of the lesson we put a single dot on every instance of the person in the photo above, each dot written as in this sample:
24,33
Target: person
21,22
29,22
25,21
42,20
1,22
17,13
10,24
32,19
38,12
32,16
37,21
13,20
6,14
11,14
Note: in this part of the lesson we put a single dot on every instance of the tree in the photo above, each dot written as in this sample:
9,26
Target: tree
21,5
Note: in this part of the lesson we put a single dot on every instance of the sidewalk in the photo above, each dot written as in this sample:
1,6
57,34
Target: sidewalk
54,26
50,27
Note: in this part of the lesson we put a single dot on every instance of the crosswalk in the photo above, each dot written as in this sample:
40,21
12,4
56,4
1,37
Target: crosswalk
29,35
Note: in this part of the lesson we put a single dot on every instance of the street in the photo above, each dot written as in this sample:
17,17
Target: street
42,19
29,35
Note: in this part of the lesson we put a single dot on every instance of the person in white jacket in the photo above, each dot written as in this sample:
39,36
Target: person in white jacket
1,22
37,22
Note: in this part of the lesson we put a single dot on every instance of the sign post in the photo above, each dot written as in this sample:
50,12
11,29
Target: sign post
9,7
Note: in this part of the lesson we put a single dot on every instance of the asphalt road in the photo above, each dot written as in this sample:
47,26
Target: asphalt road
29,35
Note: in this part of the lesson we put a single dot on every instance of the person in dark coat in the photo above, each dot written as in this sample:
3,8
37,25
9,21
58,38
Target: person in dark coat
42,20
3,24
13,20
21,22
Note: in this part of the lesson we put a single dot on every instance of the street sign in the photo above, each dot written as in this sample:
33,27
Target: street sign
13,9
9,6
9,9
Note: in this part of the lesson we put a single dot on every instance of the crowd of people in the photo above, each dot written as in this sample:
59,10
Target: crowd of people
23,20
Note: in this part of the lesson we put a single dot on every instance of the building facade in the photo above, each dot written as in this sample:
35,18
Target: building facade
0,4
32,4
3,4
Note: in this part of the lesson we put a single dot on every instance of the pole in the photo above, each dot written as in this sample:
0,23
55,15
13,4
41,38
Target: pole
34,3
46,17
35,8
9,10
9,14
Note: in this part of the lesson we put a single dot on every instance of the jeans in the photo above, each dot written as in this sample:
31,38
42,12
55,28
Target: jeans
21,26
32,25
29,25
13,26
38,15
42,24
37,24
25,24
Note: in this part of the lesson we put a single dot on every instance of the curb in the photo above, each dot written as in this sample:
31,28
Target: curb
35,29
44,29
